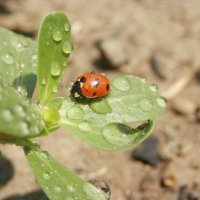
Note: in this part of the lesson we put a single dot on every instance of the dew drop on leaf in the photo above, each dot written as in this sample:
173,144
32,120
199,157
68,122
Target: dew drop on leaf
18,45
46,175
71,188
55,89
121,83
85,126
101,107
7,115
57,35
75,112
22,90
23,128
67,27
19,110
118,134
67,47
161,102
7,58
44,81
153,88
55,69
57,189
145,104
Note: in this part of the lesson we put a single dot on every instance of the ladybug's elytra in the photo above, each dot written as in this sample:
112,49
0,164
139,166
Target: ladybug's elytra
90,85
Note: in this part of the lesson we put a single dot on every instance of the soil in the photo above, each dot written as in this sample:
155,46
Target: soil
155,39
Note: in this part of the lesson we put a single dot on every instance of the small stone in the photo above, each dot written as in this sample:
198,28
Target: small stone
184,106
148,152
169,181
113,49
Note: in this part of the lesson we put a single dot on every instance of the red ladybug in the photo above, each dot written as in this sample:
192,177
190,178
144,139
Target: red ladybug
90,85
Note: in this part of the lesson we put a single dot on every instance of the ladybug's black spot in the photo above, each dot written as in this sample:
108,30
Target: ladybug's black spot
95,83
107,87
94,93
83,79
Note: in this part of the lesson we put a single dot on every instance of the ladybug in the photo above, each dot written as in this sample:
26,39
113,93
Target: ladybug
90,86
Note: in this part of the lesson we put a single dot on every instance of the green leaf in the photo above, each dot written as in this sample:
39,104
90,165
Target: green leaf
55,46
57,181
18,62
18,117
104,123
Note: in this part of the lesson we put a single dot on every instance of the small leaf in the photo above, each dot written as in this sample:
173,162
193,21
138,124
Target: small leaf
18,117
57,181
131,99
18,61
55,46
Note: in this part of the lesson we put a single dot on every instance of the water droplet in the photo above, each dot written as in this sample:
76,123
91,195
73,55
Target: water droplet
153,88
145,104
7,115
67,27
121,83
55,89
19,110
23,128
101,106
71,188
55,69
58,189
92,193
44,155
85,126
7,58
161,102
18,45
103,187
118,134
57,35
67,47
75,112
22,90
44,81
46,175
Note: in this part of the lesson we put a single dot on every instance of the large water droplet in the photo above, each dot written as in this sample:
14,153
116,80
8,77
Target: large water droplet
153,88
6,115
55,69
118,134
85,126
19,110
161,102
23,128
145,104
67,47
92,193
101,106
44,81
7,58
121,83
103,187
57,35
71,188
75,112
67,27
57,189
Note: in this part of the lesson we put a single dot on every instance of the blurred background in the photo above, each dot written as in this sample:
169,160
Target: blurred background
156,39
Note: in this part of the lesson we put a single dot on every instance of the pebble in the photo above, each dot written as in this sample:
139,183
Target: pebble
148,152
169,181
114,50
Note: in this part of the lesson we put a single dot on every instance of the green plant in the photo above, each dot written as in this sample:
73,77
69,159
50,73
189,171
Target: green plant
102,123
